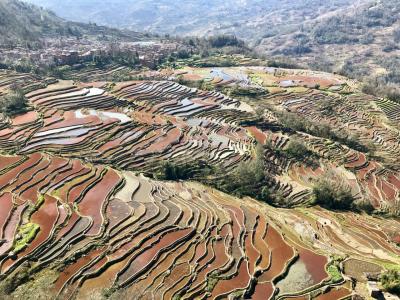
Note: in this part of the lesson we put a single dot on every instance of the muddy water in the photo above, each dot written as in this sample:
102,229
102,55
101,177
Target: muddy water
168,262
241,280
149,255
77,191
93,202
10,229
6,205
6,161
220,259
40,179
9,176
251,252
334,294
297,279
258,134
162,143
263,291
117,211
281,253
45,217
314,263
71,270
73,219
260,244
25,118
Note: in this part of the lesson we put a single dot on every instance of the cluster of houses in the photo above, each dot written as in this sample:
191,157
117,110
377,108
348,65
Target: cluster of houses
70,51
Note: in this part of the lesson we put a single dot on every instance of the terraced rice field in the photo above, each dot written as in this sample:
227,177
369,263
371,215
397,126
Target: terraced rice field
75,201
101,228
140,124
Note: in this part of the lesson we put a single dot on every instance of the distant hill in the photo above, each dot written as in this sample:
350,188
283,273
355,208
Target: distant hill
21,23
193,17
359,38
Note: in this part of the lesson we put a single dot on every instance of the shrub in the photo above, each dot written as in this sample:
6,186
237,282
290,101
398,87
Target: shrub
334,273
391,281
248,178
297,149
221,41
26,234
365,206
171,171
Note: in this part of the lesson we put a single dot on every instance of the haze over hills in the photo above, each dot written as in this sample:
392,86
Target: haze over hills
242,17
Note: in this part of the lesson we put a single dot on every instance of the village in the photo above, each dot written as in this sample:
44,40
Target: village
73,51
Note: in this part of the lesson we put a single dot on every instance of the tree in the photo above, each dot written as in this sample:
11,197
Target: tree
249,178
328,195
297,149
14,103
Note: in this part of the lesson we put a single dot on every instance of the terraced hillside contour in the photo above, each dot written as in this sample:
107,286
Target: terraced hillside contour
139,125
78,220
100,230
104,229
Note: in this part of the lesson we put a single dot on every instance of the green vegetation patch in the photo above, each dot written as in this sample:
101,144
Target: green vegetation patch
333,269
212,281
26,234
39,201
334,273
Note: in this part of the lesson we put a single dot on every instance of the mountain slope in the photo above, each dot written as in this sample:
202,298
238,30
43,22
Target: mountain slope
243,17
21,22
356,38
361,40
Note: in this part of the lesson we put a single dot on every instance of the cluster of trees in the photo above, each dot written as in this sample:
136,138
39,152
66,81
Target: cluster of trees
297,149
185,171
332,193
221,41
13,103
334,30
329,195
283,62
292,121
226,44
249,179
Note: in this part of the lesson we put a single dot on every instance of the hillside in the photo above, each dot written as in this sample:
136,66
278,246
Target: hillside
88,210
181,17
356,38
22,23
361,42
